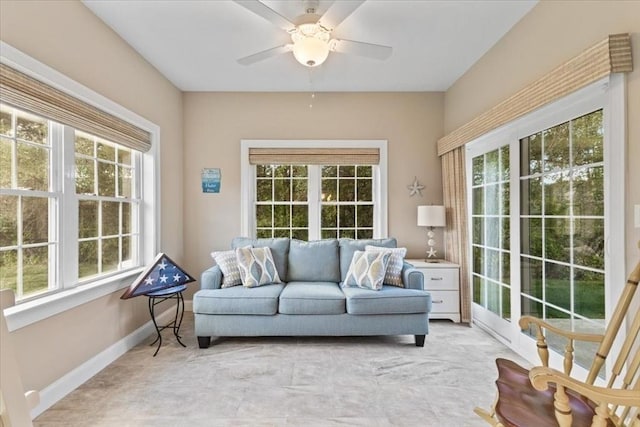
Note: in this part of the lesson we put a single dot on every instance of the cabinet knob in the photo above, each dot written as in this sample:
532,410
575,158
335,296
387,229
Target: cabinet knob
436,278
438,301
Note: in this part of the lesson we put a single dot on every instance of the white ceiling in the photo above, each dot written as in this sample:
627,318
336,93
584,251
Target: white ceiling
195,44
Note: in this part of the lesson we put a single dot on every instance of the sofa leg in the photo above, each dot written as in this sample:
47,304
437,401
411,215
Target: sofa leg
419,340
203,342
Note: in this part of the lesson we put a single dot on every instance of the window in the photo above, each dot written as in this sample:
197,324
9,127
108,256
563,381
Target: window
287,197
77,191
33,194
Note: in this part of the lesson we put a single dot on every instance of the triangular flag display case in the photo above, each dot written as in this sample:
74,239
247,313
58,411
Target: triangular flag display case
163,273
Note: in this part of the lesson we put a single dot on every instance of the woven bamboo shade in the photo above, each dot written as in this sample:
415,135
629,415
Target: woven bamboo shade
26,93
612,55
314,156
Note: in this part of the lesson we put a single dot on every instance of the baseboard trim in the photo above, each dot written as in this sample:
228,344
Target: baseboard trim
78,376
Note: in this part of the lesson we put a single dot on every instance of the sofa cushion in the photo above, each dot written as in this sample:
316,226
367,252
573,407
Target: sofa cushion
312,298
256,267
389,300
238,300
315,261
228,264
349,246
393,275
279,250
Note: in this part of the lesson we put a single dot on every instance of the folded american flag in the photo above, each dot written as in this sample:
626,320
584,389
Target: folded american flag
163,273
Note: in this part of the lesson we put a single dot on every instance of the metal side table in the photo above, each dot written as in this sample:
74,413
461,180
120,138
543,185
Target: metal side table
160,296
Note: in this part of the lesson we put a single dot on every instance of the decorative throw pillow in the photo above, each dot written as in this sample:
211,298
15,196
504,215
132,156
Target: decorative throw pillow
228,264
256,267
393,275
367,270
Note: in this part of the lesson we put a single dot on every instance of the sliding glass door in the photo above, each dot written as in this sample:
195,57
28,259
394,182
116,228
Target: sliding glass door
537,200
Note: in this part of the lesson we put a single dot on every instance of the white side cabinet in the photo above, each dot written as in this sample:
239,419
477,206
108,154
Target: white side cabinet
441,279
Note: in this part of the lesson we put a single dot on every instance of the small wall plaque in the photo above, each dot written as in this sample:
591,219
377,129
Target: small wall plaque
211,180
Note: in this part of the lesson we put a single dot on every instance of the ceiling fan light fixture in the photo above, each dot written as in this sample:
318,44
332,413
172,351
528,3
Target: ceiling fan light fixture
310,51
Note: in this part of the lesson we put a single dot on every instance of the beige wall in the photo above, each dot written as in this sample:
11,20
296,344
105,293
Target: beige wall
552,33
69,38
215,123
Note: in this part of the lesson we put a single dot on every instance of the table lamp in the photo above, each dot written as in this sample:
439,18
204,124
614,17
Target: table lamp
431,216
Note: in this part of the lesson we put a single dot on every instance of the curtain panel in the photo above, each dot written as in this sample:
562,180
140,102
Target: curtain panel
456,234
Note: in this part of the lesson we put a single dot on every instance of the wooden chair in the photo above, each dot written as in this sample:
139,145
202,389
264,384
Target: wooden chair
543,397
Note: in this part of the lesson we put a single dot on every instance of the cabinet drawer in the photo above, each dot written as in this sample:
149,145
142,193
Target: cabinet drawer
445,301
440,278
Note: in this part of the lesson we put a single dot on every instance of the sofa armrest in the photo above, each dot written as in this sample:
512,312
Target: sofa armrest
211,278
412,277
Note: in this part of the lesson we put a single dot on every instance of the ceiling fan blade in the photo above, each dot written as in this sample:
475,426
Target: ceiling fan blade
267,13
265,54
338,12
368,50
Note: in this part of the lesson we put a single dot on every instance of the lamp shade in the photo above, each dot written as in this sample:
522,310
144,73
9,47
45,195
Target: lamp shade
310,51
431,216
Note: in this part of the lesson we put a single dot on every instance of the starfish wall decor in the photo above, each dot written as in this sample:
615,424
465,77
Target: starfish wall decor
415,188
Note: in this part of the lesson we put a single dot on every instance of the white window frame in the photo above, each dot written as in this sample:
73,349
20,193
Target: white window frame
72,294
248,179
609,94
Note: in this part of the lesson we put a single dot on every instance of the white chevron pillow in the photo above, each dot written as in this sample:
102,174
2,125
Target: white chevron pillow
393,275
367,270
256,267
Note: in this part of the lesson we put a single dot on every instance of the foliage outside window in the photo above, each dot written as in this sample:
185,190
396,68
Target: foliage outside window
38,181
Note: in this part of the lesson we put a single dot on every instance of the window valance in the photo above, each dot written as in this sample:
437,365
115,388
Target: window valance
29,94
314,156
611,55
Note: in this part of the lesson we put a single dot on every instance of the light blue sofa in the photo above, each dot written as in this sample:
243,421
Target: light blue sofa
312,302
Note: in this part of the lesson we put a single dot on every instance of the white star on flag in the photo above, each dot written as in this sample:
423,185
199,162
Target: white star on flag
162,265
148,281
176,278
163,279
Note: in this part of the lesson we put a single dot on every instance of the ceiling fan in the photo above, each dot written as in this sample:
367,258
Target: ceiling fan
310,33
